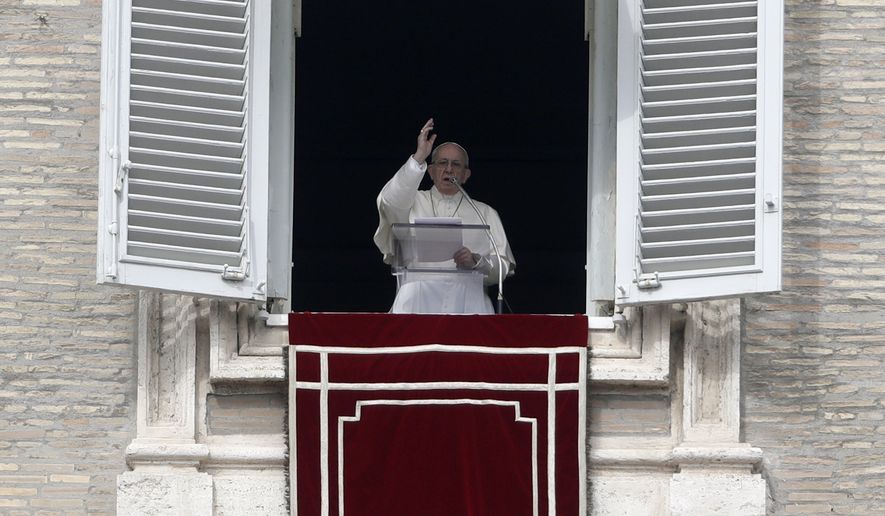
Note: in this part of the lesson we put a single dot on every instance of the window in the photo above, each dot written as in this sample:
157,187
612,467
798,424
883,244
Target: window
195,174
196,127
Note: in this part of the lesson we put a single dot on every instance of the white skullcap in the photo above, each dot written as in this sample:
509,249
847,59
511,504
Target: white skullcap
463,150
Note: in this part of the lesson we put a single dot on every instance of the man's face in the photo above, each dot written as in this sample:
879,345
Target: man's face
449,162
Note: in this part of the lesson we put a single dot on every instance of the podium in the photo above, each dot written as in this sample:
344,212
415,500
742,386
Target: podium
404,414
428,281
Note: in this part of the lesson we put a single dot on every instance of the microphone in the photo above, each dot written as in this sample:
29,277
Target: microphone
500,306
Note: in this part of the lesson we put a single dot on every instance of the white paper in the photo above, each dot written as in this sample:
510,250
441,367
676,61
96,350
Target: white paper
438,244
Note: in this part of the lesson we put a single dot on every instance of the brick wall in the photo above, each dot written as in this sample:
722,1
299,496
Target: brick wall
67,375
814,355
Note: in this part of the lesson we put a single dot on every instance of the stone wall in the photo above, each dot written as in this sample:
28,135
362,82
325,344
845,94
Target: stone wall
67,368
814,355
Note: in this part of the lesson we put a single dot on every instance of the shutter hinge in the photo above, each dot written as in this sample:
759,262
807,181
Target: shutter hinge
771,204
122,172
233,273
648,281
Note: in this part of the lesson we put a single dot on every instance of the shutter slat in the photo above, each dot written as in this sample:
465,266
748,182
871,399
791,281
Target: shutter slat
200,21
186,176
149,235
699,184
192,114
690,8
184,66
199,131
231,197
694,75
185,223
171,159
700,231
186,145
202,84
686,107
698,122
698,215
183,35
230,8
709,148
699,59
675,249
153,204
699,90
653,203
197,99
686,138
183,255
699,27
710,42
224,49
699,13
699,153
693,263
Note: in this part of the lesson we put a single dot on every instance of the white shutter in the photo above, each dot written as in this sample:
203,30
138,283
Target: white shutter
187,155
699,149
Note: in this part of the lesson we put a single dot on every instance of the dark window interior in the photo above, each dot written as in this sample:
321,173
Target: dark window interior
507,80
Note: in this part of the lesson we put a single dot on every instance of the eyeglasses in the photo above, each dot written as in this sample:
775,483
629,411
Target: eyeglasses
444,163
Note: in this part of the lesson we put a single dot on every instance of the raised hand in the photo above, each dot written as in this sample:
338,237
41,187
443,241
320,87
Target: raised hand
425,142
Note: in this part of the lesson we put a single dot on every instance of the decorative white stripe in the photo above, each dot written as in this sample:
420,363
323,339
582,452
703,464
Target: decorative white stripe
341,420
551,434
324,386
463,401
417,386
425,348
324,434
582,432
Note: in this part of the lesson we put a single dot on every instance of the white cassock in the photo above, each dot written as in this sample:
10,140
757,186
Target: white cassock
435,292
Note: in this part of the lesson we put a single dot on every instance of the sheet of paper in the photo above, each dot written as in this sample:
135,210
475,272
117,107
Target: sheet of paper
436,244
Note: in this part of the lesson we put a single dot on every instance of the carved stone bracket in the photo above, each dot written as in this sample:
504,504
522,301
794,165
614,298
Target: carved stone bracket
637,352
715,470
711,395
242,348
166,362
164,455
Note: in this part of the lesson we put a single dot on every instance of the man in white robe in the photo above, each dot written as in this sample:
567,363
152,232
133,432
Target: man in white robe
400,201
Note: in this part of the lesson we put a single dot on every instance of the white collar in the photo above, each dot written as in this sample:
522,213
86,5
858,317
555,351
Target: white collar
436,194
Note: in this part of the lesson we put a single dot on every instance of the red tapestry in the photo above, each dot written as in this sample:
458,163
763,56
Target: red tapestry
438,415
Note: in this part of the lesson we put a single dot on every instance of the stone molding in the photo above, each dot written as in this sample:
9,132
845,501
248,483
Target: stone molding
711,396
637,352
166,367
701,467
242,348
703,450
173,473
743,456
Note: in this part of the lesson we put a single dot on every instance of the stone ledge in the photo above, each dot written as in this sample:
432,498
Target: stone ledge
682,455
255,456
165,453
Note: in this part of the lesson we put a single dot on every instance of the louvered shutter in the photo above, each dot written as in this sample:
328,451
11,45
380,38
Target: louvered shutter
699,149
191,144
